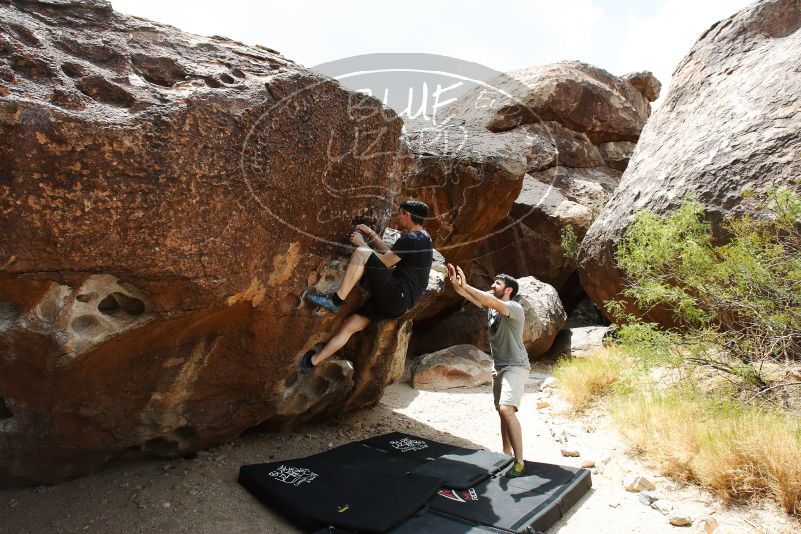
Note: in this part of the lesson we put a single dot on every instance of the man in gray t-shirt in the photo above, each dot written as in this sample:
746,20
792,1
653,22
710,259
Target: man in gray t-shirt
505,321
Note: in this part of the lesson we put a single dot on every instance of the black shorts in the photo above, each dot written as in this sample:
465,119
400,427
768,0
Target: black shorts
388,299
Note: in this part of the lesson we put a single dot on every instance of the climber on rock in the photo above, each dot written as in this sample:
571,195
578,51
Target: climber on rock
394,276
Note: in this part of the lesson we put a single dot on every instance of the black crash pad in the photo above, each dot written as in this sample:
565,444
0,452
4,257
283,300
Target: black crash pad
412,446
458,467
465,468
530,503
314,493
394,483
427,522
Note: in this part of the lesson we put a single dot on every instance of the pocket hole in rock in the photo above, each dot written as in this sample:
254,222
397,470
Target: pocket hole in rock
86,297
5,413
186,434
226,78
104,91
85,324
160,446
120,304
291,380
72,70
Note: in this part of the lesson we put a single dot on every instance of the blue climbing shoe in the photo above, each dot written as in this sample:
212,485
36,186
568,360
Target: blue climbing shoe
323,300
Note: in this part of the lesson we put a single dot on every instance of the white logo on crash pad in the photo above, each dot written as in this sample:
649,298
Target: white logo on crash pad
293,475
408,444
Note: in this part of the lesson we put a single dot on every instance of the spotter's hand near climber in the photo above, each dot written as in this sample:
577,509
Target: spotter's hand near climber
394,276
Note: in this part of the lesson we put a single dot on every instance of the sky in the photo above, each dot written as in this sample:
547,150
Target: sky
620,36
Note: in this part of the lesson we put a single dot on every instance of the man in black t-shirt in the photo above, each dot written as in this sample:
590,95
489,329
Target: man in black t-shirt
395,277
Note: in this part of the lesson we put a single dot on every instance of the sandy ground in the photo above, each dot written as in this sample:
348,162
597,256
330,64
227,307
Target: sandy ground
201,495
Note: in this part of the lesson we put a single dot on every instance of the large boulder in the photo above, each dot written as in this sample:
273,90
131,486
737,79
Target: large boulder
545,316
579,96
453,367
166,200
728,124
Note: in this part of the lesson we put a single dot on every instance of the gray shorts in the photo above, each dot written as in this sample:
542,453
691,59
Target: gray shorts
508,384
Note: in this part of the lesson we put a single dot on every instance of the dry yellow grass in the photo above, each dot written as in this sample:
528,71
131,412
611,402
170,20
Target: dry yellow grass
737,451
583,380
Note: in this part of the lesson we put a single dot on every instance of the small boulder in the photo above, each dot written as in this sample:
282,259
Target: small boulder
637,484
662,506
579,341
707,525
570,453
459,366
548,383
680,520
646,83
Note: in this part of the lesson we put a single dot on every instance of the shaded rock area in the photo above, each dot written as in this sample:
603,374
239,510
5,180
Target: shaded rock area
545,316
457,366
591,120
729,124
155,247
579,341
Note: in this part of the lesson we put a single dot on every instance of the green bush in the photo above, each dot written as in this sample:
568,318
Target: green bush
571,244
737,303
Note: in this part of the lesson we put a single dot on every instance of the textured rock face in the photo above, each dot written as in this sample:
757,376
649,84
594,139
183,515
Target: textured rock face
580,97
165,200
591,150
454,367
646,83
469,177
545,316
729,123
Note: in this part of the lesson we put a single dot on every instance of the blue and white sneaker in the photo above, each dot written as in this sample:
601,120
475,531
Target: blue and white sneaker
324,301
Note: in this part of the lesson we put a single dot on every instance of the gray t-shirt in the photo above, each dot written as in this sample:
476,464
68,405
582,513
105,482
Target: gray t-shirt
506,336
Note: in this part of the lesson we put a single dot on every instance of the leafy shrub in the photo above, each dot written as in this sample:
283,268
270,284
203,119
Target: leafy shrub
570,242
738,303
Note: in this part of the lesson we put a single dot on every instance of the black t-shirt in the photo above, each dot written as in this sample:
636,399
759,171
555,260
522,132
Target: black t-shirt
416,254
